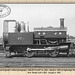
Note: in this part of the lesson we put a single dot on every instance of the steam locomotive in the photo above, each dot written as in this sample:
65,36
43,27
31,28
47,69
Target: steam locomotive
45,40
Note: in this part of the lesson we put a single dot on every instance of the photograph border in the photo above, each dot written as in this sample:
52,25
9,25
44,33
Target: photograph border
24,71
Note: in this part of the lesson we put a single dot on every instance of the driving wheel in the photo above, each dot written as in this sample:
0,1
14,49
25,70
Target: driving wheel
54,53
29,54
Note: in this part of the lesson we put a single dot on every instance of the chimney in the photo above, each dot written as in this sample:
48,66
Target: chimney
61,22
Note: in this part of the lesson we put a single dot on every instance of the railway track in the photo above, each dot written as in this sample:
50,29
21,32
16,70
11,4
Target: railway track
37,61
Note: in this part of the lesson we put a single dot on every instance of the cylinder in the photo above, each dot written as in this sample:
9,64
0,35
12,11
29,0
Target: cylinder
61,22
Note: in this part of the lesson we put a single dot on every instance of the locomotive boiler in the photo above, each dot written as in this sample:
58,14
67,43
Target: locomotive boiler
45,40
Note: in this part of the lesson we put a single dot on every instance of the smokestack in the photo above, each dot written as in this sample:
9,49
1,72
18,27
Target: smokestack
61,22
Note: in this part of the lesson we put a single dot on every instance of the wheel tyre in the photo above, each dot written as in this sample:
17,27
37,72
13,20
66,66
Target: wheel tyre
29,54
54,53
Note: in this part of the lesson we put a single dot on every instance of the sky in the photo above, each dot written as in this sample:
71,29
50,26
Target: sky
41,15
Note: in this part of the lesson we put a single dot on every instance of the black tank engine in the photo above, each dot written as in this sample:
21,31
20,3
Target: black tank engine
45,40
